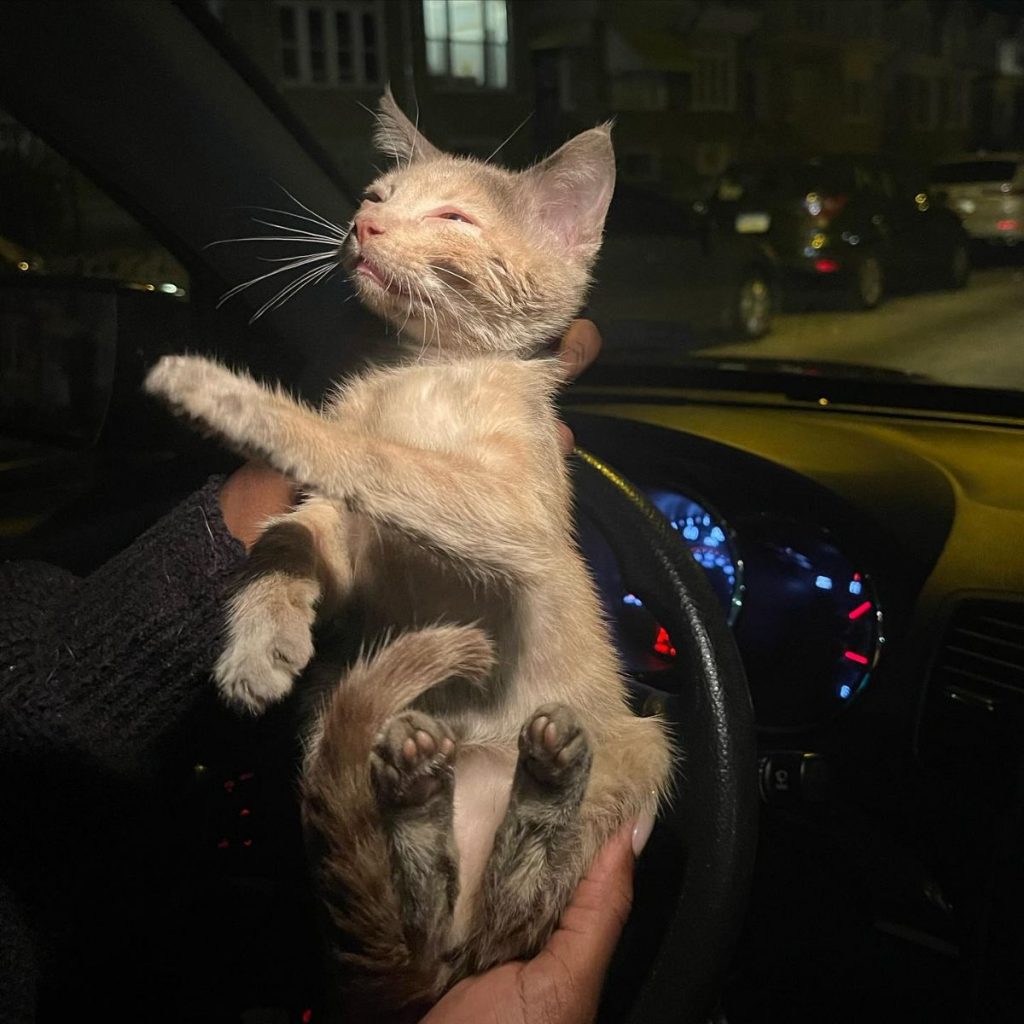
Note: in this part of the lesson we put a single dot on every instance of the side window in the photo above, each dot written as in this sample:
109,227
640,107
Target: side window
54,221
68,254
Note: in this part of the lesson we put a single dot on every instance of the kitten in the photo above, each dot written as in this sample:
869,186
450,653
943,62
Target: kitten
462,774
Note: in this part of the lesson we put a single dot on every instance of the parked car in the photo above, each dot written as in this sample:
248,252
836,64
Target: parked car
854,224
986,190
711,284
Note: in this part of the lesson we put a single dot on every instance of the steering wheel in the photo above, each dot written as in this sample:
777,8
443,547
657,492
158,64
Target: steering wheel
694,876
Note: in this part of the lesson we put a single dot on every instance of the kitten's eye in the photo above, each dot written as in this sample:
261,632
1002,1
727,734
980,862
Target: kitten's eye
372,197
456,216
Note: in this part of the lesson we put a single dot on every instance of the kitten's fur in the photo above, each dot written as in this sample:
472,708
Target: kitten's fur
462,775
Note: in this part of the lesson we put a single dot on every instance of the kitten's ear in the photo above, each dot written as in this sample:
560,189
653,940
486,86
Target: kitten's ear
573,187
397,136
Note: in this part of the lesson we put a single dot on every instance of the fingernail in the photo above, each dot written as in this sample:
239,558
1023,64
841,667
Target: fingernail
642,832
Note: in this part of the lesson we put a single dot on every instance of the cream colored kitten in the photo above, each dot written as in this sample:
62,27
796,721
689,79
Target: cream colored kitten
461,777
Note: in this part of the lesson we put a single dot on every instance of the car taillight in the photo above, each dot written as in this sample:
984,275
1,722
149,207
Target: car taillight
824,209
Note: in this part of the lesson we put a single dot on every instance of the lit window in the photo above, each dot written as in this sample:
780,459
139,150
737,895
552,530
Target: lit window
467,41
330,42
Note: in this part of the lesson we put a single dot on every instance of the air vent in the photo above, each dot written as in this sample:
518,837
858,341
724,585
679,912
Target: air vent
976,689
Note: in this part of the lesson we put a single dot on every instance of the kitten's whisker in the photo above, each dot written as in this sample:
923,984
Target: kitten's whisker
269,238
316,216
439,271
416,125
300,232
515,131
290,290
320,221
293,265
325,255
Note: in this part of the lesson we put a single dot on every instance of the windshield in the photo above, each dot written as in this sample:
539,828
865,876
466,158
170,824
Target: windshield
825,187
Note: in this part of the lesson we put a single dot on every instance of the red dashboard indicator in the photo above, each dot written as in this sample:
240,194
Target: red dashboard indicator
662,643
854,656
860,610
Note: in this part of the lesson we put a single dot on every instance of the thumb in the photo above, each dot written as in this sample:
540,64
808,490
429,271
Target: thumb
590,927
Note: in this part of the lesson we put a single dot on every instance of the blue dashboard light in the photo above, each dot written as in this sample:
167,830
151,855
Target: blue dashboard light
823,582
855,587
845,691
633,600
691,532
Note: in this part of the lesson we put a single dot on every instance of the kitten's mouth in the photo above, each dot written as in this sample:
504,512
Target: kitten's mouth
390,284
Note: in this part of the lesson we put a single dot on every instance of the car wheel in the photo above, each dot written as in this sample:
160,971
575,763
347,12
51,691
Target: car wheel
752,308
958,267
868,287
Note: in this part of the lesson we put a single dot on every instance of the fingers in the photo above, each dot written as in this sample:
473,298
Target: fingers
580,347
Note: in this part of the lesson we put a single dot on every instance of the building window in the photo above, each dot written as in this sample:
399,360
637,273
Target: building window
467,41
714,79
330,42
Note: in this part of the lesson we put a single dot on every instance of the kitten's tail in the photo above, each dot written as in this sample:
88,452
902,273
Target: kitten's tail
381,684
350,849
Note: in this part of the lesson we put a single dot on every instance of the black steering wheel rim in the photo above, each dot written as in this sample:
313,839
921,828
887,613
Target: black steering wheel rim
675,952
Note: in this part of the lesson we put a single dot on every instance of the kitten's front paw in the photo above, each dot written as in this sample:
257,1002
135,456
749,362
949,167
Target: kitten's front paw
199,388
553,747
270,641
411,760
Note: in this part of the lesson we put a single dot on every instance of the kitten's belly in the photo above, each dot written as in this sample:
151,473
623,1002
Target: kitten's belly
405,586
483,781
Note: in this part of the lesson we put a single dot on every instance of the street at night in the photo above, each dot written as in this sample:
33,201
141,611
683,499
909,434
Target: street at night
970,337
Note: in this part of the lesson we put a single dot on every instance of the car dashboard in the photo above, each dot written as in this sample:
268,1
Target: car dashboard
867,561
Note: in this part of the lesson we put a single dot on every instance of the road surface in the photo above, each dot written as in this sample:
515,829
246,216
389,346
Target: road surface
969,337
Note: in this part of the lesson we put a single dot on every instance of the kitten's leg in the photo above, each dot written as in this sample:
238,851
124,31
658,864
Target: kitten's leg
365,792
412,771
567,799
298,562
224,402
532,868
478,507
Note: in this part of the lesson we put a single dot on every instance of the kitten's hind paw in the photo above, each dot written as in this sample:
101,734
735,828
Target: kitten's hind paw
553,748
411,761
270,642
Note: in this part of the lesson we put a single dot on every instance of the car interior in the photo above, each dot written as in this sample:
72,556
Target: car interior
813,570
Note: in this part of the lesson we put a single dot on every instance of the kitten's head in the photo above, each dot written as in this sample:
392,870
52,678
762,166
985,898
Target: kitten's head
469,258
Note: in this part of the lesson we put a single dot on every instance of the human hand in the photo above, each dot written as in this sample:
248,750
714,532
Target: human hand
580,346
250,496
562,983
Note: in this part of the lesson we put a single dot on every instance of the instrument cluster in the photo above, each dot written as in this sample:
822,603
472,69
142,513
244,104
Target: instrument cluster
805,616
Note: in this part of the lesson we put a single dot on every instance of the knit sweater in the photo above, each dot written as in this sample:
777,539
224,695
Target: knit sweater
99,678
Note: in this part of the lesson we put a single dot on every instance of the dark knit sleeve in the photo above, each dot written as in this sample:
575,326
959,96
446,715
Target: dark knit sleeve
103,666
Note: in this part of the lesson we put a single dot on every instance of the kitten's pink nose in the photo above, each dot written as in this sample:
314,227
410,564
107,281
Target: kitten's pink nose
366,227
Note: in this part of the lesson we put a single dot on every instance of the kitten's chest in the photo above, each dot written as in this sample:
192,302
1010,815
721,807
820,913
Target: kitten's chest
420,408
